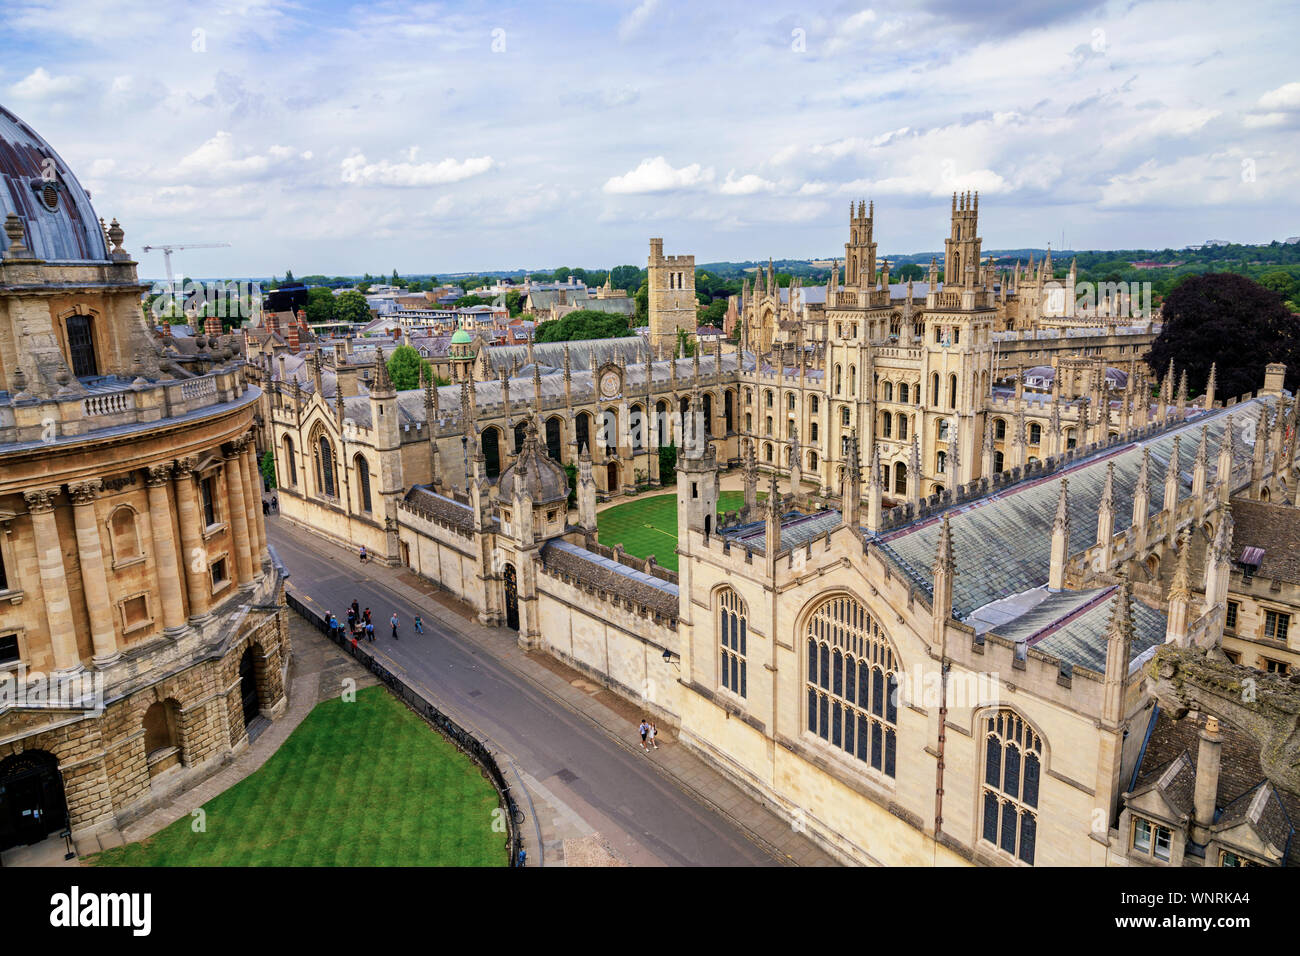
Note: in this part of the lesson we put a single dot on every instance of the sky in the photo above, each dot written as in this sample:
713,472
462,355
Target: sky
439,138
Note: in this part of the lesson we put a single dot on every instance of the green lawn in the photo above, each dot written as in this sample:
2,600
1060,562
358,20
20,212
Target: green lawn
366,783
648,526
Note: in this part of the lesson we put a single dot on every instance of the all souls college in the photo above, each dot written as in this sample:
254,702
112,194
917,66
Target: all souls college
992,609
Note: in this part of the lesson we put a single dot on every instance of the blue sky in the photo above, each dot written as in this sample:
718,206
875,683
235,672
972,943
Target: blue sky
331,137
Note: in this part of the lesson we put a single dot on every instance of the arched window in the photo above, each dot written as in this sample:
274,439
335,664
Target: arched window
999,428
728,410
767,396
853,380
941,429
902,426
708,414
845,418
521,432
767,451
125,534
812,432
326,482
289,469
934,389
999,461
492,448
850,682
81,346
952,391
886,425
814,406
889,391
769,425
1070,440
1035,433
1013,757
900,478
732,627
363,484
789,401
812,461
837,379
942,464
160,727
902,392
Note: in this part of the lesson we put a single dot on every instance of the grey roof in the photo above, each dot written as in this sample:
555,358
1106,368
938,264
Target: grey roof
1002,543
629,348
796,529
71,230
440,507
611,577
1080,637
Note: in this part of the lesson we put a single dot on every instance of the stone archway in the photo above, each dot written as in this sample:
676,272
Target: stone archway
32,800
511,585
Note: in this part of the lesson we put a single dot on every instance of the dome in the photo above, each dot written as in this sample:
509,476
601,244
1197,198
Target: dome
545,480
37,185
460,336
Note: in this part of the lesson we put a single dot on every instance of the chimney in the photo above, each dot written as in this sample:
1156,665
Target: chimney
291,337
1207,779
211,326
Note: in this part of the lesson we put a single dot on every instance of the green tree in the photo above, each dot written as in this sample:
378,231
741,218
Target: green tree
910,271
288,277
351,307
466,301
404,367
584,324
514,304
562,274
1283,283
396,278
685,344
572,471
321,305
628,278
267,467
642,300
713,313
668,465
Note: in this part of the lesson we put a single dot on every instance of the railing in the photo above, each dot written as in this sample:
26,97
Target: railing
106,404
464,741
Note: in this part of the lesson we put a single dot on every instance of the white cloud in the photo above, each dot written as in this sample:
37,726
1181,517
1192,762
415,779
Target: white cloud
1283,98
656,176
41,85
634,21
356,170
746,185
221,159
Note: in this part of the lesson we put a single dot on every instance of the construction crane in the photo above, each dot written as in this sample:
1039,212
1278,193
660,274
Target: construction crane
168,249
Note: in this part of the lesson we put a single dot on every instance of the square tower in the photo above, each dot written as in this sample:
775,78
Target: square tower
671,287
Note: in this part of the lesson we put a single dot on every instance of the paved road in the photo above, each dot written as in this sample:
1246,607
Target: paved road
646,817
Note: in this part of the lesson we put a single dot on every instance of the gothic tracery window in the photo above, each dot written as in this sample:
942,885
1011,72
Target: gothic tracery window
851,682
733,625
1013,755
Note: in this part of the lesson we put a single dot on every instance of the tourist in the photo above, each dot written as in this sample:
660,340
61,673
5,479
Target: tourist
370,632
419,625
275,504
654,732
356,609
393,621
366,615
645,730
266,508
363,554
352,619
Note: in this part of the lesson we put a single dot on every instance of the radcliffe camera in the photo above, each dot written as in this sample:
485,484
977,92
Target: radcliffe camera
646,433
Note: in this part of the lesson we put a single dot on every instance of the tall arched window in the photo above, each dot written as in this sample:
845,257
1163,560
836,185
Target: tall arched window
900,478
812,461
934,389
290,469
325,477
521,432
942,464
363,484
708,414
1035,433
733,626
728,410
902,426
815,405
999,428
886,425
789,401
844,416
852,675
837,379
889,391
853,380
1013,757
902,391
952,391
812,432
125,535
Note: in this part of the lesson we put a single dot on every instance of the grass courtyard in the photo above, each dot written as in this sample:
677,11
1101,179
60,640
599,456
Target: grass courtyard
366,783
648,525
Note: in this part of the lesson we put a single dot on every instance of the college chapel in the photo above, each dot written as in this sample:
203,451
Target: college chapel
975,607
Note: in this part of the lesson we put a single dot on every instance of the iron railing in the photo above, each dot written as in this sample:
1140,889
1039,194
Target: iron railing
461,738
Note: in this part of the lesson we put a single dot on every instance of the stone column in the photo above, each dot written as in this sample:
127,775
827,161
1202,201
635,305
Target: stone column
54,582
90,556
164,548
234,475
198,583
257,523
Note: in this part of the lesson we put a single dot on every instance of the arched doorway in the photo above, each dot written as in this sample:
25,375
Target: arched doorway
248,687
611,477
512,598
32,802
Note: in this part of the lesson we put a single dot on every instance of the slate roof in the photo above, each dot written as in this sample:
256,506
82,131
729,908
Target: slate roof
441,507
610,577
1002,543
1273,527
796,529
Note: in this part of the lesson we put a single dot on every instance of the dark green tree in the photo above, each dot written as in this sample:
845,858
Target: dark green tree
351,307
404,367
668,465
321,305
267,467
584,324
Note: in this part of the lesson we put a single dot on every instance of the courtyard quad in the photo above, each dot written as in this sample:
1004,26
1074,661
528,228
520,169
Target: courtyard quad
648,526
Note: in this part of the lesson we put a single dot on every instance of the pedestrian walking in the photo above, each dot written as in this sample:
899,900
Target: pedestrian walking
356,609
370,632
266,508
393,621
419,625
366,615
275,504
654,733
645,731
352,620
363,554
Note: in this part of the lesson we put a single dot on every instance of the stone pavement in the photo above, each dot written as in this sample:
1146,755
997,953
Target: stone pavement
317,669
611,714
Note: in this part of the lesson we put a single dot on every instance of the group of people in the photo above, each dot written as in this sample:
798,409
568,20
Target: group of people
648,734
272,506
361,626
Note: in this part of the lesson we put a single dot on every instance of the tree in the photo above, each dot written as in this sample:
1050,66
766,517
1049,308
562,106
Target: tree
514,304
562,274
910,271
288,277
267,467
642,300
321,305
351,307
466,301
1283,283
628,278
713,313
572,471
404,367
584,324
668,465
396,278
1235,322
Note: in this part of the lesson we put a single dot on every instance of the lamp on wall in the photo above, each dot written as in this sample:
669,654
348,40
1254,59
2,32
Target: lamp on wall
669,658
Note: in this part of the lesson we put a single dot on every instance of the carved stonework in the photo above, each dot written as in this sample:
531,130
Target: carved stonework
118,482
184,467
41,500
85,492
159,475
